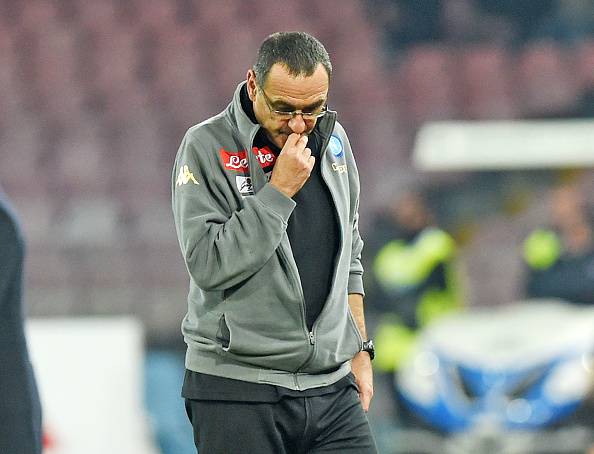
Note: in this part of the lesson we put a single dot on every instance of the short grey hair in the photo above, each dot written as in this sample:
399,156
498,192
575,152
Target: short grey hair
298,52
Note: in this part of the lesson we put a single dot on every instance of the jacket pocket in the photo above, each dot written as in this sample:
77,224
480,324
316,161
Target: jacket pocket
356,334
223,334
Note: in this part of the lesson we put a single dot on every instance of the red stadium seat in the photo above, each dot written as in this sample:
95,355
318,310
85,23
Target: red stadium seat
100,16
157,14
38,14
485,86
116,59
584,60
546,80
427,81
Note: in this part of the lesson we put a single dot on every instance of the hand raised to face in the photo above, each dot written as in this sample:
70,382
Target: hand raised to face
293,165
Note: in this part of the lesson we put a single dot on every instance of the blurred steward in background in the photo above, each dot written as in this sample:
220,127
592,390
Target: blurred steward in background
560,256
20,410
414,272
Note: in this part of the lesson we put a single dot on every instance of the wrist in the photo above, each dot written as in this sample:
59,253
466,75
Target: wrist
282,190
369,348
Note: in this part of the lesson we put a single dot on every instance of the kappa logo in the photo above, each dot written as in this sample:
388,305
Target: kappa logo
237,161
185,176
244,185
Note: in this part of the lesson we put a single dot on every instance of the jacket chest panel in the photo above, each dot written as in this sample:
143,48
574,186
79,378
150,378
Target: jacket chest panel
335,174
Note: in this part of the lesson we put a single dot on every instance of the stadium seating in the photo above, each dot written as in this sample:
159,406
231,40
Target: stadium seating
96,96
427,77
546,80
486,88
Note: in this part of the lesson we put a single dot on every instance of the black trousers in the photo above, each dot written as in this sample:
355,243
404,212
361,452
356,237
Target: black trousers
331,423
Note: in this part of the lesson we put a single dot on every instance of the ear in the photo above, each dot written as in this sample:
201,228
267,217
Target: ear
251,84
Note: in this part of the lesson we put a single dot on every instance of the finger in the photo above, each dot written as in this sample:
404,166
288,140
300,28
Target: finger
306,153
291,142
365,401
310,162
293,138
366,390
302,142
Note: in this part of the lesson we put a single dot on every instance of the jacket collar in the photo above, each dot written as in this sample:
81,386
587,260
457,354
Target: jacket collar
241,122
247,129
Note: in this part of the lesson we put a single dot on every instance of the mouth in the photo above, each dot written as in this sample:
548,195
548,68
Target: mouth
282,136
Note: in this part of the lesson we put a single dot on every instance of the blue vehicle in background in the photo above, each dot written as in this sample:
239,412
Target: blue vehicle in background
517,379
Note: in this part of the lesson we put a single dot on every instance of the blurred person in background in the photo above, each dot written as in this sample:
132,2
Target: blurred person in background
560,257
265,202
414,279
414,271
20,410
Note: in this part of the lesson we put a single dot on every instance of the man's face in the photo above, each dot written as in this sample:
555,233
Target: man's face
283,92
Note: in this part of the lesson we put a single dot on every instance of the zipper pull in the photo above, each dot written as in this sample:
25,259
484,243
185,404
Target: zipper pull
312,339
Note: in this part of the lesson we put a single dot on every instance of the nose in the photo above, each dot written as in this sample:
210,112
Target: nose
297,124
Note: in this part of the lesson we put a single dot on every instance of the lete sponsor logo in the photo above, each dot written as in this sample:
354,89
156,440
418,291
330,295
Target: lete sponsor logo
238,161
265,156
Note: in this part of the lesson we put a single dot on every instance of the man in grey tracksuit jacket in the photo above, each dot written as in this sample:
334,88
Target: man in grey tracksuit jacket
246,316
242,273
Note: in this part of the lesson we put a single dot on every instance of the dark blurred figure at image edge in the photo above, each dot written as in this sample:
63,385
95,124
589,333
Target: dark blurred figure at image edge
20,410
265,202
559,257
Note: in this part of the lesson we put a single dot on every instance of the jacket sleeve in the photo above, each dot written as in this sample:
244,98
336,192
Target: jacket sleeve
11,248
222,246
355,284
356,270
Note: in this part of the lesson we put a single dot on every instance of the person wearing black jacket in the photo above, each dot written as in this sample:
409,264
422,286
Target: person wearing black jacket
20,409
560,256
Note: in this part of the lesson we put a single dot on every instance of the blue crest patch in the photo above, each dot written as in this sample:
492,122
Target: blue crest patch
335,146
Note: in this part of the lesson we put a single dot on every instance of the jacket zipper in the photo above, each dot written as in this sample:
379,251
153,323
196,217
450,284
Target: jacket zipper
337,214
312,335
283,254
297,282
297,285
341,238
340,234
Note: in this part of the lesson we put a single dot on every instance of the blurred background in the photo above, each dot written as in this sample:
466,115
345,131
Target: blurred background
96,96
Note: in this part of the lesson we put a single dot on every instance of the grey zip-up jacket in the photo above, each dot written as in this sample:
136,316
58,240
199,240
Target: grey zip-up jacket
246,310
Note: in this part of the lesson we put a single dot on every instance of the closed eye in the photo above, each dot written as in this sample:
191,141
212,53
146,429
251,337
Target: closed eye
287,108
